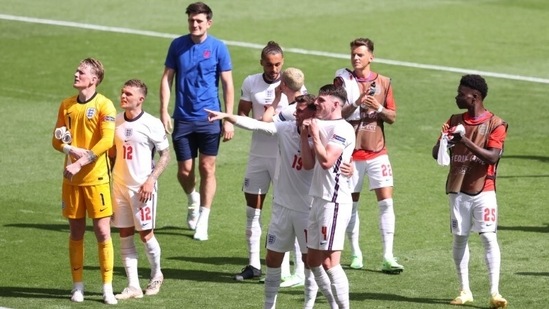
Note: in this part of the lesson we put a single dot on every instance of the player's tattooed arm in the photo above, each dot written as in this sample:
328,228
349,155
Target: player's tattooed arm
73,168
147,189
161,164
92,157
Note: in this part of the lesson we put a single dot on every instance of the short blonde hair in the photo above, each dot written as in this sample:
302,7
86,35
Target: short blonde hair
293,78
96,68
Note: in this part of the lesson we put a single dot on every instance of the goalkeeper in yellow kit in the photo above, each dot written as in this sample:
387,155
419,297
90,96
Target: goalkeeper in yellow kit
89,119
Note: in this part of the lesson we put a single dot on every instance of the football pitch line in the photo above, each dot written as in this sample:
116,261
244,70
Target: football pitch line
259,47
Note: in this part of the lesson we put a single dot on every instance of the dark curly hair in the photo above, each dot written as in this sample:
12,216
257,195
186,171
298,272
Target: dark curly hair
476,82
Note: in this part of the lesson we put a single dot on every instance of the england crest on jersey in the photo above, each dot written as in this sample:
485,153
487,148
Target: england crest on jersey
90,112
128,132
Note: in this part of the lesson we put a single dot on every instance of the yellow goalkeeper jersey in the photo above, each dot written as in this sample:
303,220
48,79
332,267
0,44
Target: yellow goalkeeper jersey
91,125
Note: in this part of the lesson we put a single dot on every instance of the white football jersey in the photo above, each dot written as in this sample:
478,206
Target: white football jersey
352,88
293,181
262,94
291,186
286,114
330,184
136,141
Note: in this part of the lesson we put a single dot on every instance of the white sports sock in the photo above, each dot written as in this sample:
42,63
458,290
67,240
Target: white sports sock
107,288
493,259
387,226
193,198
324,285
253,235
272,284
311,289
153,251
78,286
353,229
340,286
202,222
461,259
285,267
299,266
128,253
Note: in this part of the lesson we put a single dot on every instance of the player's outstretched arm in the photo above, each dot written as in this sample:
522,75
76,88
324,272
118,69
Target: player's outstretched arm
243,122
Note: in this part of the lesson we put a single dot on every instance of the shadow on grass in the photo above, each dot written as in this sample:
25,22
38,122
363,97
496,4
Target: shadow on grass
365,296
165,230
47,227
212,260
172,230
203,276
43,293
209,276
540,274
175,274
532,229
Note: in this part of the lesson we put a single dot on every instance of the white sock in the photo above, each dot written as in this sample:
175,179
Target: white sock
193,197
461,259
272,284
340,286
493,259
311,289
153,251
107,288
324,285
387,226
78,286
353,229
285,266
128,253
253,235
202,222
189,195
299,266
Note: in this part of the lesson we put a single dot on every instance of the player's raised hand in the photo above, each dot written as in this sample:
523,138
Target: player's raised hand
304,129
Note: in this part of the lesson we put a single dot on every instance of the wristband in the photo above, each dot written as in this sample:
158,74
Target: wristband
379,109
67,149
356,105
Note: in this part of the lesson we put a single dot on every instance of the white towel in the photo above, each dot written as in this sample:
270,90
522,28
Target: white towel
443,158
59,132
459,129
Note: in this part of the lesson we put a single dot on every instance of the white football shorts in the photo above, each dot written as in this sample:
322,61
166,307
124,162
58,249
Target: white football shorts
129,211
327,224
260,172
286,225
478,213
378,171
